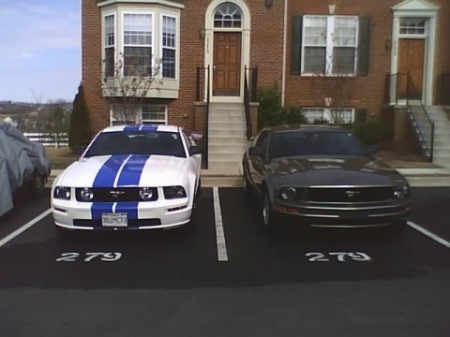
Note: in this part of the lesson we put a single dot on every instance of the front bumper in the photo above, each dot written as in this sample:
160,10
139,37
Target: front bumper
165,214
350,216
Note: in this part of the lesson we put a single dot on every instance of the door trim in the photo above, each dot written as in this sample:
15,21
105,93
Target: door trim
407,9
209,48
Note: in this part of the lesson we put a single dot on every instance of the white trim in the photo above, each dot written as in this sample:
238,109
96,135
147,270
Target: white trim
161,47
424,9
209,46
327,111
165,3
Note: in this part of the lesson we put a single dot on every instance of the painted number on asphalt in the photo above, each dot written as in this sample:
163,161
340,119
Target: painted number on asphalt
72,257
339,256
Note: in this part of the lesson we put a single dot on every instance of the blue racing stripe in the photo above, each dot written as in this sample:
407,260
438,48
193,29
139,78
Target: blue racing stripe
132,128
150,127
130,176
105,178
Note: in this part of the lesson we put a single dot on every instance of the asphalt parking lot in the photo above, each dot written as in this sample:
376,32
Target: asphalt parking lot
241,283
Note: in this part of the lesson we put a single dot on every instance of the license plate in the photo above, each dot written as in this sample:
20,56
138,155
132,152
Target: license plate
115,220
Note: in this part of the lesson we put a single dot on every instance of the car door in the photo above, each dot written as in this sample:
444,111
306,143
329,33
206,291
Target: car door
257,170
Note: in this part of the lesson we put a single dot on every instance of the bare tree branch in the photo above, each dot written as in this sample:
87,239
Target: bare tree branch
335,89
127,86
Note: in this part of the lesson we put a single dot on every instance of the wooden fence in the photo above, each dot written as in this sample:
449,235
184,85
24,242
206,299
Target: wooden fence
49,140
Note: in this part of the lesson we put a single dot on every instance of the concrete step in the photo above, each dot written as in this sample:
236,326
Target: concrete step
226,105
227,119
224,148
226,133
231,113
441,152
214,139
441,142
223,166
227,126
225,156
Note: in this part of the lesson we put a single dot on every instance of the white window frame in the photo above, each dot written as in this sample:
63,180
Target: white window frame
329,45
327,113
122,36
139,119
116,38
150,121
413,36
162,47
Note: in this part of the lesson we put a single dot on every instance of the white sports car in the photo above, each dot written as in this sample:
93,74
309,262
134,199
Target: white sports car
130,177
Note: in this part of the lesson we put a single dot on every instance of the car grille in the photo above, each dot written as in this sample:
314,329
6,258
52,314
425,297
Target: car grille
350,195
132,223
125,194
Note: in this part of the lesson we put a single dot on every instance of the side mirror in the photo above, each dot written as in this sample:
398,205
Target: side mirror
255,151
193,150
78,150
372,149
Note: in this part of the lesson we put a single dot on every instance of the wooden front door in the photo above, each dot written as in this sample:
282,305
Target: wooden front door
411,57
227,64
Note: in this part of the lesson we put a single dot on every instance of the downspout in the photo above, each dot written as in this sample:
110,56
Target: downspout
283,75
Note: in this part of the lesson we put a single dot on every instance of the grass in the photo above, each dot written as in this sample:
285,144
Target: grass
61,157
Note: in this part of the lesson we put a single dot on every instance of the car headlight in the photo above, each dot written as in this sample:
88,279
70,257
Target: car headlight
86,194
62,192
174,192
401,192
146,193
288,193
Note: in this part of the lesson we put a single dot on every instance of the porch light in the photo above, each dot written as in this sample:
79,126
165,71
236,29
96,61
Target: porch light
268,3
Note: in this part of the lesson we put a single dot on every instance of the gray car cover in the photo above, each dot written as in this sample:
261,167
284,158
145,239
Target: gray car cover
19,158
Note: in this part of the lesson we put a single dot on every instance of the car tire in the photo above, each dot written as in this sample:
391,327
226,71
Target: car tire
267,214
246,185
38,185
199,189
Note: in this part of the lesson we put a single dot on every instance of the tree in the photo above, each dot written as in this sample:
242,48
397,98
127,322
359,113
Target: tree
55,120
335,90
80,122
126,84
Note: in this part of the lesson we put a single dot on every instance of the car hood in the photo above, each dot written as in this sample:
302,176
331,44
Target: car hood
333,171
124,170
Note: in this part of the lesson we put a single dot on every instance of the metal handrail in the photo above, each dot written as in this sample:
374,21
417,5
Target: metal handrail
410,85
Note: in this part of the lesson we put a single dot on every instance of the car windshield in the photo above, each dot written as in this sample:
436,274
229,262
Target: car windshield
137,142
314,143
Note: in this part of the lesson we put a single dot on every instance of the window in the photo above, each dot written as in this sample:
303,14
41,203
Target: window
137,41
330,45
412,26
154,114
169,29
228,15
345,115
110,43
147,114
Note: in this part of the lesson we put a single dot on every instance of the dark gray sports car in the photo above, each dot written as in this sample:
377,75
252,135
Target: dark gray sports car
322,176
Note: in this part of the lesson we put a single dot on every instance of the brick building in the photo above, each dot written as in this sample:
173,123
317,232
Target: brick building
249,43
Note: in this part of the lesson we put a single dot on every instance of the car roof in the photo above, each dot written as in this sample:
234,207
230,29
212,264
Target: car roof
137,127
305,127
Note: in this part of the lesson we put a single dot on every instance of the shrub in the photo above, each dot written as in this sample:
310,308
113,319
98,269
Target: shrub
80,123
372,132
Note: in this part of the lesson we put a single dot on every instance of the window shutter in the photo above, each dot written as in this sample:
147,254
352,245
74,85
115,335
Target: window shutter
296,49
364,46
360,116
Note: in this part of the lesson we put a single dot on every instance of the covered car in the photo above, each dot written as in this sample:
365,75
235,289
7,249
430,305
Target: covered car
24,165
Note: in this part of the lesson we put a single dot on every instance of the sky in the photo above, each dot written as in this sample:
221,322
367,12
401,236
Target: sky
40,50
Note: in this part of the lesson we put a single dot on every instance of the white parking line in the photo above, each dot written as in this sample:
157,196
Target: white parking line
220,235
22,229
429,234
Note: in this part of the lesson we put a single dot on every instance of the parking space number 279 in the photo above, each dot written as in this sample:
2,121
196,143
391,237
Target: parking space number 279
339,256
72,257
